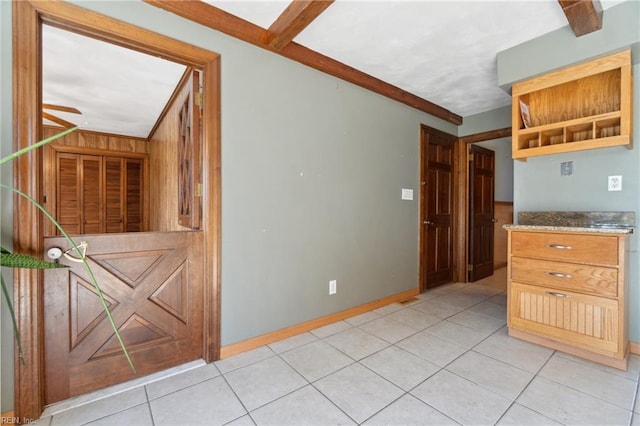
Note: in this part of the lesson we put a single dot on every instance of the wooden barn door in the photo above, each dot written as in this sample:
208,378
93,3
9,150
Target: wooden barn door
153,285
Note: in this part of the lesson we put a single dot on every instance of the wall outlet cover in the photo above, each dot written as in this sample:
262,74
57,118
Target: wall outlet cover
407,194
615,183
333,286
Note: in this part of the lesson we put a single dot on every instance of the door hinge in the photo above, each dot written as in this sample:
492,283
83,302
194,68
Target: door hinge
199,98
469,268
198,190
470,157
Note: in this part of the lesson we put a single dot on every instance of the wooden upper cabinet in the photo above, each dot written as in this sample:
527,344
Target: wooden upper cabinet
581,107
99,194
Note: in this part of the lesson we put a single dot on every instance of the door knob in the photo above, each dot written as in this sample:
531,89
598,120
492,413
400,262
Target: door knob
428,222
494,220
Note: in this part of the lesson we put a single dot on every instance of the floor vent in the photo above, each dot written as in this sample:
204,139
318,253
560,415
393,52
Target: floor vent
412,299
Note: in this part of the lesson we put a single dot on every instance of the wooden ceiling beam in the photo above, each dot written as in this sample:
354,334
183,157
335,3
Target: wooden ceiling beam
295,18
584,16
219,20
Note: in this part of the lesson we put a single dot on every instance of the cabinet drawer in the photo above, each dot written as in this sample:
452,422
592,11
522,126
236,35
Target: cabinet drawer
596,280
584,321
596,249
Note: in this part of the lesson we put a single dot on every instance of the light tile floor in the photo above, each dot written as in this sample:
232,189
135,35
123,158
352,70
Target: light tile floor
442,359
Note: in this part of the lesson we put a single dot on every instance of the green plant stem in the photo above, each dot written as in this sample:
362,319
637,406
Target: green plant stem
86,264
26,149
5,291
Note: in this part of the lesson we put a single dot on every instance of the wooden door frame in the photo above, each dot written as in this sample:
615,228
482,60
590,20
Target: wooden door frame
461,250
27,18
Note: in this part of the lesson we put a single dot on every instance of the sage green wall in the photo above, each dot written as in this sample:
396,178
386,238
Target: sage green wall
503,176
538,185
312,172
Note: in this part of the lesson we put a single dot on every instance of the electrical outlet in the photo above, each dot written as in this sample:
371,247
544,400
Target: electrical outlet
615,183
333,284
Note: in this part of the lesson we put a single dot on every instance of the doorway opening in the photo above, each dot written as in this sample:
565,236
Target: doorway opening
121,182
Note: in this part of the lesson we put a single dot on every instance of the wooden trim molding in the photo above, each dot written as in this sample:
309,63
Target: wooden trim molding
265,339
27,18
219,20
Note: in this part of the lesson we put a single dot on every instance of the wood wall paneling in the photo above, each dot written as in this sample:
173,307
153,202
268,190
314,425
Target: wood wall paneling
163,166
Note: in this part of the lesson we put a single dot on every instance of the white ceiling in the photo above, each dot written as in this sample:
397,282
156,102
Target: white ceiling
117,90
443,51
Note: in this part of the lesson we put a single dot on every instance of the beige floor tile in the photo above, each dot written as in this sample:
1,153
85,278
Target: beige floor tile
569,406
518,353
478,321
462,400
316,360
409,410
292,342
180,381
356,343
431,348
264,381
388,329
496,376
207,403
517,415
139,415
101,408
458,334
590,380
416,319
244,359
358,391
305,406
400,367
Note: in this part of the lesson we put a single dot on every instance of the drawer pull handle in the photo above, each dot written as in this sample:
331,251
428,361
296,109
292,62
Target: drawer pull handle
559,246
558,275
556,294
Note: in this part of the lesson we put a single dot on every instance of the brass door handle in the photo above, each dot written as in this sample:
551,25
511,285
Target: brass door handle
428,223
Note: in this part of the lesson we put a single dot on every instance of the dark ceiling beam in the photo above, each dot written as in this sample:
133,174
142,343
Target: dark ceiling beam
295,18
584,16
217,19
487,136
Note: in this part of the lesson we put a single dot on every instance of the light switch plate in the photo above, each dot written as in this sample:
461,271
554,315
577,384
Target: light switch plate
615,183
407,194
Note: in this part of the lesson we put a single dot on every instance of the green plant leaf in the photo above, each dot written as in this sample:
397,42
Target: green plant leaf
17,260
16,332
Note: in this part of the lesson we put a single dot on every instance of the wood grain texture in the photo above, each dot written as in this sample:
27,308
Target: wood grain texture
217,19
584,16
295,18
572,297
28,231
29,395
503,213
163,164
585,106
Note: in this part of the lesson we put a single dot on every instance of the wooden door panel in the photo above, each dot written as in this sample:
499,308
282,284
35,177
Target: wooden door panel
68,190
114,194
92,192
153,285
481,215
437,208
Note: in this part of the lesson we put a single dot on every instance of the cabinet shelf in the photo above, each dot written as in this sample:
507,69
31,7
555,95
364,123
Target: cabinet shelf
586,106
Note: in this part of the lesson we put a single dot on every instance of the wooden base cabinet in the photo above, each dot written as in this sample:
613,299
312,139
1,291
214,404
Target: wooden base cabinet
566,290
